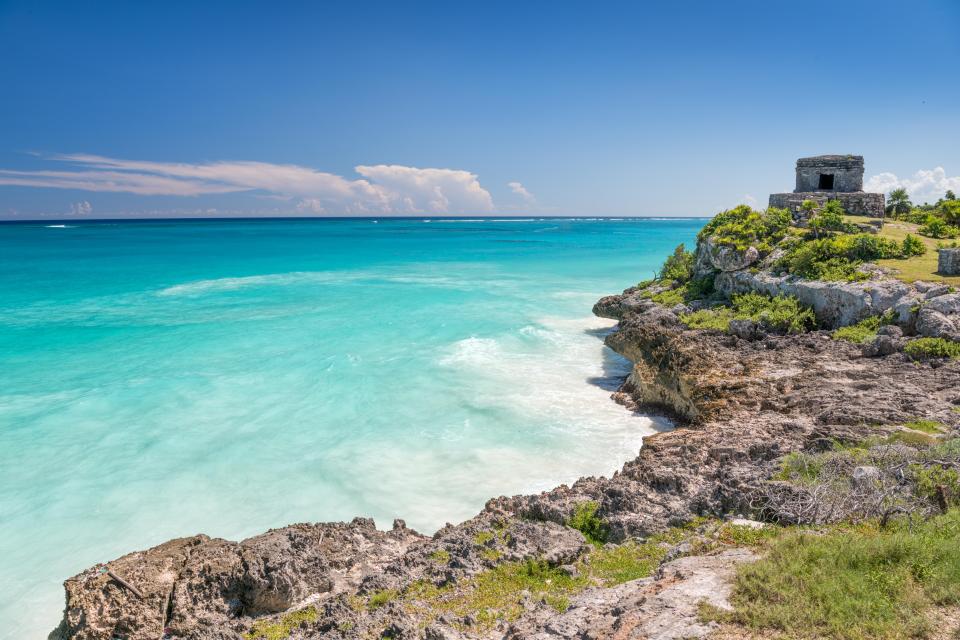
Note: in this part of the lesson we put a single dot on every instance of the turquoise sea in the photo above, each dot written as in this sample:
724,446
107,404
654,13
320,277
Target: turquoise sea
164,378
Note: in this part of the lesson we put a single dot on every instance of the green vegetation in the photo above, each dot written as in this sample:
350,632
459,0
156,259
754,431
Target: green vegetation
695,289
441,556
936,227
678,266
838,257
742,227
898,202
851,582
829,218
483,538
282,628
380,598
927,426
498,593
923,348
934,482
781,313
800,467
586,521
863,331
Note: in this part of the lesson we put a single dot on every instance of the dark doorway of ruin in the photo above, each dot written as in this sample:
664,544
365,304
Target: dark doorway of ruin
826,181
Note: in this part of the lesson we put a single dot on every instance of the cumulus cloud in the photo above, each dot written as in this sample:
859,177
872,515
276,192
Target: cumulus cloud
380,189
926,185
82,208
521,191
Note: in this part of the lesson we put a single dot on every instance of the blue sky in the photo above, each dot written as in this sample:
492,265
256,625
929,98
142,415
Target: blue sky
683,108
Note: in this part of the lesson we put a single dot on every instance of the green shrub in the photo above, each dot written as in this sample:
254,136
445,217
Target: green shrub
586,521
863,331
837,257
931,481
932,348
912,246
782,313
852,583
678,266
695,289
742,227
936,227
716,319
950,209
830,218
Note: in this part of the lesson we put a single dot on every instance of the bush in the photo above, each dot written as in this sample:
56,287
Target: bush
936,227
922,348
830,218
950,209
863,331
678,266
837,258
586,521
912,246
742,227
782,313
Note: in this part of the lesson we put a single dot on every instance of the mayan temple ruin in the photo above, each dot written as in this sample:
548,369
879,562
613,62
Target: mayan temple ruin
823,178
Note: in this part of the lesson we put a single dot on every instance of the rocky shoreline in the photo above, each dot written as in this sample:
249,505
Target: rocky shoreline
742,402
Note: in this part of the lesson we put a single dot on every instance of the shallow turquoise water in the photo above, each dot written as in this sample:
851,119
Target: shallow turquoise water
167,378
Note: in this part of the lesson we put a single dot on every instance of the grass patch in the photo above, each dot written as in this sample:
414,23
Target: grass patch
922,267
440,556
282,628
910,438
628,561
927,426
586,521
800,467
851,583
497,594
923,348
381,598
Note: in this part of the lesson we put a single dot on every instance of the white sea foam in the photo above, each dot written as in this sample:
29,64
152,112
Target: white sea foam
59,226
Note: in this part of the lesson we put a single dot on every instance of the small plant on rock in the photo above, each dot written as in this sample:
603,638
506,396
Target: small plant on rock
586,521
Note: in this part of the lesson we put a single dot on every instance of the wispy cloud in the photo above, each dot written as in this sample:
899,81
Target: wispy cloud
82,208
521,191
926,185
380,189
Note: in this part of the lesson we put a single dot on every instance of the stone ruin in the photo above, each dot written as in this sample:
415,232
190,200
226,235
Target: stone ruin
823,178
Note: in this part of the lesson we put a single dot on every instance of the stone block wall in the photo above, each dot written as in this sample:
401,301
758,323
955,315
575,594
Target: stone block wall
948,262
847,172
859,203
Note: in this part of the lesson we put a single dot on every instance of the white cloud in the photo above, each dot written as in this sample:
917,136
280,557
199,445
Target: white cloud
750,200
382,189
926,185
521,191
82,208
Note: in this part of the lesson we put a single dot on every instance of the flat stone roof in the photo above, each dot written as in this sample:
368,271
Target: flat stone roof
830,160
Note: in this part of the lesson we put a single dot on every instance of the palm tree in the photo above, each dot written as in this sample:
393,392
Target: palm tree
899,202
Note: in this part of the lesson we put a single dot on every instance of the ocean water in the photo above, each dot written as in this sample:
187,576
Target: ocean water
160,379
